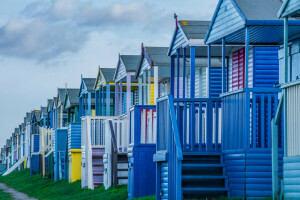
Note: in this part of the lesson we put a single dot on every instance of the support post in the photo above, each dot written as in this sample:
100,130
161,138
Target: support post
89,104
224,78
286,79
107,99
209,70
178,71
192,72
144,88
247,104
149,87
121,97
156,92
172,74
128,87
117,98
103,101
99,100
140,91
183,76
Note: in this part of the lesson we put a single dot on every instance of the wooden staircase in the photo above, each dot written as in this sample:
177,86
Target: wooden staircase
122,169
98,166
203,175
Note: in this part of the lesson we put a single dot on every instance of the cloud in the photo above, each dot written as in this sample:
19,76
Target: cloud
45,30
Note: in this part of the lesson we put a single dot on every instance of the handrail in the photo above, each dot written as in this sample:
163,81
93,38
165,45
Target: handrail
263,90
175,128
279,109
113,136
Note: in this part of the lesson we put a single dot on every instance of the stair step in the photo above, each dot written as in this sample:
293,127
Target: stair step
98,173
122,170
194,189
201,165
194,177
97,156
122,177
98,183
98,165
202,153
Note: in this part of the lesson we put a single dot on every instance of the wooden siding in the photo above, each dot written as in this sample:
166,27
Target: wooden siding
227,21
238,69
203,82
292,6
179,41
121,73
291,175
293,119
145,66
266,66
230,73
250,172
250,68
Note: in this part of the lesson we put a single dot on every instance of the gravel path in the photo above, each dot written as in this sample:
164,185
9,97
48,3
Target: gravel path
15,194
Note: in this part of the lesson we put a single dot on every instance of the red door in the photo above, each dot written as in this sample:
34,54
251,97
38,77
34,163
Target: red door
238,69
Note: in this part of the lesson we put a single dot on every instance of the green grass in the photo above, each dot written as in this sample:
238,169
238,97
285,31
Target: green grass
40,188
5,196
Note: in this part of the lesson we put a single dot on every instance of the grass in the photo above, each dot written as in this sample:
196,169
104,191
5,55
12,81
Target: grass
40,188
5,196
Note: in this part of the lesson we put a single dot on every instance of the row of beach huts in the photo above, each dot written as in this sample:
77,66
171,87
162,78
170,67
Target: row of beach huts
214,114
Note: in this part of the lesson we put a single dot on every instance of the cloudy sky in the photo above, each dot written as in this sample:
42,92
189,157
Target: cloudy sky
47,43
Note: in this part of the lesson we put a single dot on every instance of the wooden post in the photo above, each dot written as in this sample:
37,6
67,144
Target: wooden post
183,76
121,97
149,87
178,71
145,88
172,74
103,101
128,87
286,79
140,90
156,92
117,103
107,100
223,66
192,92
209,71
89,104
247,104
76,114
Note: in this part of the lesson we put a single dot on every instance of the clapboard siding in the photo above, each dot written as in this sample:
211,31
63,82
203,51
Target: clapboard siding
203,82
197,83
250,172
291,175
227,20
215,81
179,41
145,66
121,73
74,136
266,66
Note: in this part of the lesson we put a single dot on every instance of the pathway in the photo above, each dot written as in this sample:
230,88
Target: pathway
15,194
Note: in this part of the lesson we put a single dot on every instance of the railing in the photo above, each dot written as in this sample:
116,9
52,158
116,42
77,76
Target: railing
120,130
169,140
142,124
199,122
247,115
92,135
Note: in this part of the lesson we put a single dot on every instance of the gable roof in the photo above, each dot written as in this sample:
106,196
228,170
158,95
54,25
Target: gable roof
55,102
259,9
155,56
289,8
130,62
61,94
194,29
89,83
259,15
49,104
72,96
188,31
107,74
28,117
44,111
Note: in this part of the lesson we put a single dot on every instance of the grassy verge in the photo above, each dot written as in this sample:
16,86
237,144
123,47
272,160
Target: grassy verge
40,188
5,196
